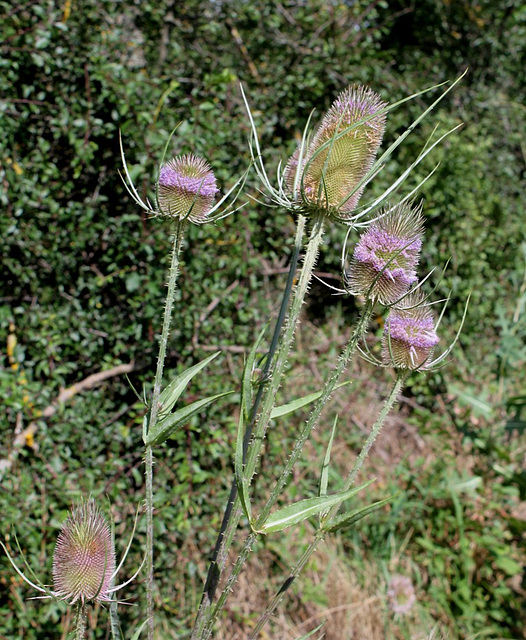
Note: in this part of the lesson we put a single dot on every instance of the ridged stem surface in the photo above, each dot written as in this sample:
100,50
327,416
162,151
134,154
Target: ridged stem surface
152,418
320,534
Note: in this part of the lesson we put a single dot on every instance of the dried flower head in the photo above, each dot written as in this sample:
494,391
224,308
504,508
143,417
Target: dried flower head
383,266
401,594
341,153
186,188
409,335
84,558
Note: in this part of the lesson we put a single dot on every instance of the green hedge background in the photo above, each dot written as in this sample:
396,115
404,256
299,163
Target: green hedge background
83,273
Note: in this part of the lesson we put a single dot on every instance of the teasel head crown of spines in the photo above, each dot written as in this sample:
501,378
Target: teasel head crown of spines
186,189
383,266
409,337
341,152
84,558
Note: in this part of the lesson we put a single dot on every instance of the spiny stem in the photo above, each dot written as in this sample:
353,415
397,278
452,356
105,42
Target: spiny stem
375,431
309,261
222,543
268,402
152,418
320,534
343,361
80,626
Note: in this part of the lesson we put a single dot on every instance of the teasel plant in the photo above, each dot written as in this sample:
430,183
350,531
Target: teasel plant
320,184
408,344
84,566
185,192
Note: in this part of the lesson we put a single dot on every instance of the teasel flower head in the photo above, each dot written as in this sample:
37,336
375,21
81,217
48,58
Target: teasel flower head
409,338
83,561
383,266
84,558
329,176
401,594
186,189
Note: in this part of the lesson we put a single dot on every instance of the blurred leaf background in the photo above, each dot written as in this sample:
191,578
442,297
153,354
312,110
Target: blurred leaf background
83,274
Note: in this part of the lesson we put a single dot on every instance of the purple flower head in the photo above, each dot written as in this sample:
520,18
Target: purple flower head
401,594
341,153
186,188
84,558
383,266
409,335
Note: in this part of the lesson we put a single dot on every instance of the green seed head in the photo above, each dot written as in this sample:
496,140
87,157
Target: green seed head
341,153
84,558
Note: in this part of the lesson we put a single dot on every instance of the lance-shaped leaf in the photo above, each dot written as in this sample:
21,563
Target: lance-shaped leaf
137,634
299,511
349,518
311,633
170,395
239,466
176,420
290,407
324,476
247,382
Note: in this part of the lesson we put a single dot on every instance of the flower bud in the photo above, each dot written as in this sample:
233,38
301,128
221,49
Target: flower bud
401,594
186,188
383,266
84,558
338,159
409,337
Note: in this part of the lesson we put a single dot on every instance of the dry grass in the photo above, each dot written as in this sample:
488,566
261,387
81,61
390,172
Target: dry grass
351,602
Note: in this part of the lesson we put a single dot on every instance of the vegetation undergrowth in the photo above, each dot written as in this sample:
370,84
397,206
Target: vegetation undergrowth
83,277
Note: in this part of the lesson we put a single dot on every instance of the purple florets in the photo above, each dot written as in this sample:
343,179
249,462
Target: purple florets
396,256
409,335
172,175
385,258
415,331
186,188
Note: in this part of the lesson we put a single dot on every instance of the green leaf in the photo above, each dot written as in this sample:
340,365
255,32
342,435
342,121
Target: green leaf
175,421
247,384
285,409
138,632
304,509
479,406
172,392
311,633
508,565
241,479
324,476
349,518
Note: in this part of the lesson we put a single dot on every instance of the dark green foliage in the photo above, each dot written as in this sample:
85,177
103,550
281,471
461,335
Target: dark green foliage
83,272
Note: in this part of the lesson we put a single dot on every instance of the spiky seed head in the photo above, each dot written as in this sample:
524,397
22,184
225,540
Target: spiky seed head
84,558
186,188
401,594
409,337
384,262
343,150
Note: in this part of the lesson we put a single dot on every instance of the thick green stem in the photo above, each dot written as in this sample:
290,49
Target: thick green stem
375,431
152,418
80,626
269,400
226,532
263,420
320,534
343,361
